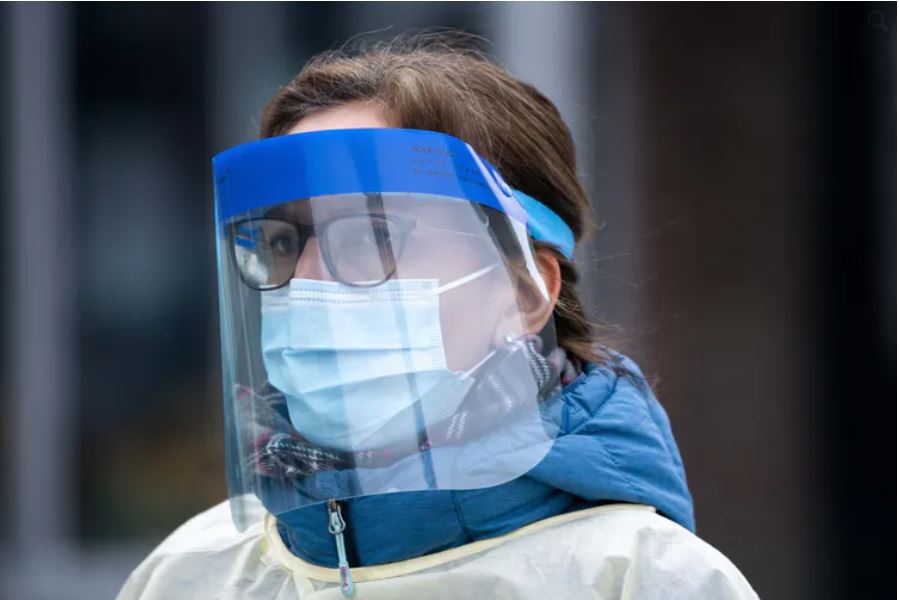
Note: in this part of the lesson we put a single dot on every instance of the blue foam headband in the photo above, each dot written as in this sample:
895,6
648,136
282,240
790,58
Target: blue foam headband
347,161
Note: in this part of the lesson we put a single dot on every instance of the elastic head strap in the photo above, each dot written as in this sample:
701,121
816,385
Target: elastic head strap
545,225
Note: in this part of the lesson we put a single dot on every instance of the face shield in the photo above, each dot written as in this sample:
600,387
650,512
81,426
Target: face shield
384,324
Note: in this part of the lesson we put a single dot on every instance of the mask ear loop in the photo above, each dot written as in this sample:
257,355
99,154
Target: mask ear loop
465,279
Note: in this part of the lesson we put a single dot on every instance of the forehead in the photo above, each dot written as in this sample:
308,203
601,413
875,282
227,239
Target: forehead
353,115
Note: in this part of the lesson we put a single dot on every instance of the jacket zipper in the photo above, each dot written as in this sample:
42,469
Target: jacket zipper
336,527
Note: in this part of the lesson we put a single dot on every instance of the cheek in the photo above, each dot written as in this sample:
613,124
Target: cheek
470,313
475,321
468,323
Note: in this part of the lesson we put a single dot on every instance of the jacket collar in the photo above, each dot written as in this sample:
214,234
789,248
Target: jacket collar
614,445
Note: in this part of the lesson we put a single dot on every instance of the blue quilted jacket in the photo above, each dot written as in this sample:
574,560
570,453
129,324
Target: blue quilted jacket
614,445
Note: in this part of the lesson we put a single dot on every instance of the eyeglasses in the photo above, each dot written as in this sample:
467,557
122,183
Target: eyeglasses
360,250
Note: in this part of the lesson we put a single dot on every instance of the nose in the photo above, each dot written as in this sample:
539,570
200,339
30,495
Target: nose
310,264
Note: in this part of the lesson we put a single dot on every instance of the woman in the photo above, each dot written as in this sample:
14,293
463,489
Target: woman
416,405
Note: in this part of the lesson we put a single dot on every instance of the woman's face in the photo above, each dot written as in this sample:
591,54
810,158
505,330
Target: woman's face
446,241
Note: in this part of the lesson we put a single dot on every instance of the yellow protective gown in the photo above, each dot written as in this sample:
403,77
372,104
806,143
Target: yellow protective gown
616,551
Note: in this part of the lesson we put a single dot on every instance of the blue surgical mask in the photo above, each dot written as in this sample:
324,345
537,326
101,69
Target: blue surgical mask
353,361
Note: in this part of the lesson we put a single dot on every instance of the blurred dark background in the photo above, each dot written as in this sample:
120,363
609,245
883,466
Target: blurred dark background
741,159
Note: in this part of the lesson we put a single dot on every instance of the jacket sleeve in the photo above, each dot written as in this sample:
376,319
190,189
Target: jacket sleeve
208,559
674,564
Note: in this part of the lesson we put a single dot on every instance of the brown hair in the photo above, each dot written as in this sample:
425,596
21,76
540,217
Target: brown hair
439,82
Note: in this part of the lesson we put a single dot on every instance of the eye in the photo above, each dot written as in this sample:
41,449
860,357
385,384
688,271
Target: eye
284,245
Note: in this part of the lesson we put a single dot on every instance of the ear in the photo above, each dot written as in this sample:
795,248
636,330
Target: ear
548,265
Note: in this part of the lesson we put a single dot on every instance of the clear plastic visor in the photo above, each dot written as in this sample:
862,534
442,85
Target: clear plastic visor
376,343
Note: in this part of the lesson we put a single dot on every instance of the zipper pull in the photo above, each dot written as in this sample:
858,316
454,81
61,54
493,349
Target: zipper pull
336,527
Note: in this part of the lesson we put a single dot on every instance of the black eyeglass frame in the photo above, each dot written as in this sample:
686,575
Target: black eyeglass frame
404,223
